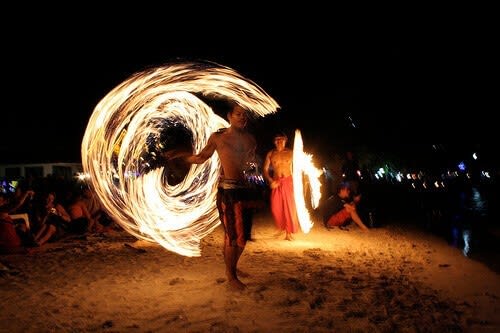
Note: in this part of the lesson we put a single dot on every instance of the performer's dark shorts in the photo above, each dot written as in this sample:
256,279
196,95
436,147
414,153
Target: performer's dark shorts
236,207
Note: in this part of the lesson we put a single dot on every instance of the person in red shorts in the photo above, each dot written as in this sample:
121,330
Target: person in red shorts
342,209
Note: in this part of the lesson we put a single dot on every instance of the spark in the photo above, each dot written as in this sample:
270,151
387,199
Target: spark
134,114
302,164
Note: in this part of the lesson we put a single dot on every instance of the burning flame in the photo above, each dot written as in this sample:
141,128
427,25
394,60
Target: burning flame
302,164
132,115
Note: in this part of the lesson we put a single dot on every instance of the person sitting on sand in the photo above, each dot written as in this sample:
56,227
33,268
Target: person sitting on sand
54,220
81,220
10,242
14,237
103,221
341,208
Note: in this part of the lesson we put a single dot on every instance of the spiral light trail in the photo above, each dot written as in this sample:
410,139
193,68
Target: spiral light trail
129,120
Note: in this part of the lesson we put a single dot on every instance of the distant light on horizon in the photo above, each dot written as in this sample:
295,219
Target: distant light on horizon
399,177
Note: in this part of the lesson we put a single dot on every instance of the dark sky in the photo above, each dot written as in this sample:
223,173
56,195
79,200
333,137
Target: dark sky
400,85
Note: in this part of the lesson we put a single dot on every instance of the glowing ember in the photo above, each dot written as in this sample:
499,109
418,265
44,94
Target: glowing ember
130,120
302,164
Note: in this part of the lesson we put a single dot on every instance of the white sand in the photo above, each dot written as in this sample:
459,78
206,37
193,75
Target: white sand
387,280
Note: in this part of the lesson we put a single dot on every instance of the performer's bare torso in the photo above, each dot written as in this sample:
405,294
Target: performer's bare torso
236,149
234,145
281,162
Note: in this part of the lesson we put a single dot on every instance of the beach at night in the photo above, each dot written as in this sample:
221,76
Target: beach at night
394,278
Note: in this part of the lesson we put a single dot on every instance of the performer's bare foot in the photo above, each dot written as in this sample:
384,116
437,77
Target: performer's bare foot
236,284
289,237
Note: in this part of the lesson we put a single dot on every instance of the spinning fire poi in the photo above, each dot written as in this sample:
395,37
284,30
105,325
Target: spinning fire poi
127,125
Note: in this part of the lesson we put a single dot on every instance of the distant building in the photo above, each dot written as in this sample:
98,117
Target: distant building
40,170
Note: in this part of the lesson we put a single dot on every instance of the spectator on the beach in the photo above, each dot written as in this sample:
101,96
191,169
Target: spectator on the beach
11,205
465,206
96,210
81,220
21,206
21,201
10,242
54,220
341,208
278,174
14,237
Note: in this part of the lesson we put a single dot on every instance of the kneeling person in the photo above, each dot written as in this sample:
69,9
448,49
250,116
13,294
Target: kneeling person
342,209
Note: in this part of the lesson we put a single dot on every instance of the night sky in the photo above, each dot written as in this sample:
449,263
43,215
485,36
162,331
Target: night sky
387,88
